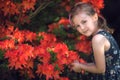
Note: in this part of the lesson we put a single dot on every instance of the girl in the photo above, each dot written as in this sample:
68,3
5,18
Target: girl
106,63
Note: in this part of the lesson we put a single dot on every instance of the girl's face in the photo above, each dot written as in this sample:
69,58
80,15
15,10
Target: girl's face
85,24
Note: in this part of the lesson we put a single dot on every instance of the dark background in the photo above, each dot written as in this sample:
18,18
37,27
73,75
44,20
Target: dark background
111,12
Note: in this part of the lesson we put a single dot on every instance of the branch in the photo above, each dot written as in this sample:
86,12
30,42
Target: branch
41,7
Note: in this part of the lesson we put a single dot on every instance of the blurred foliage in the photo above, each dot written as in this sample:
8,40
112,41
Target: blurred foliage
50,12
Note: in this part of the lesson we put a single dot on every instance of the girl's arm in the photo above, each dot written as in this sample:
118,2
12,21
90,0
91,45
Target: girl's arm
98,44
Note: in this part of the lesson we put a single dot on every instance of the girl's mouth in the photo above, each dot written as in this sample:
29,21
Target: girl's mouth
85,31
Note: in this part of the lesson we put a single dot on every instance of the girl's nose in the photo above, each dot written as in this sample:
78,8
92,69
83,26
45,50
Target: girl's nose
82,27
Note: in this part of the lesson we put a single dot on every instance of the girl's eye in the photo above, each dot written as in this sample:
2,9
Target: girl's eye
83,22
77,26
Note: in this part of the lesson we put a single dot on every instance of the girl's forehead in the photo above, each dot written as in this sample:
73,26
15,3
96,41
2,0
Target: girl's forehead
81,16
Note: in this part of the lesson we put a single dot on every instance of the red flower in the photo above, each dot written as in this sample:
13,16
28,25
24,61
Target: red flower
98,4
61,48
18,57
84,46
28,4
72,57
64,21
64,78
53,26
29,36
48,70
19,36
82,37
6,44
82,60
42,54
67,7
49,40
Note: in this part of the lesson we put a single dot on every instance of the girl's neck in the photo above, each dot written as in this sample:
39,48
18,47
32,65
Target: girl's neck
96,31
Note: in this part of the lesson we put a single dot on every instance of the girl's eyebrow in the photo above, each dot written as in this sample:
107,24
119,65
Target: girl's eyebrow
84,17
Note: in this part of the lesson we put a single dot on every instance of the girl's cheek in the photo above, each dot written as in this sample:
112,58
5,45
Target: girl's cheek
79,30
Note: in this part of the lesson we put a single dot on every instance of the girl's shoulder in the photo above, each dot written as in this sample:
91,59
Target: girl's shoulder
98,41
98,38
101,35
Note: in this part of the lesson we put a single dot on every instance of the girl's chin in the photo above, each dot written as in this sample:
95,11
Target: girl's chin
87,35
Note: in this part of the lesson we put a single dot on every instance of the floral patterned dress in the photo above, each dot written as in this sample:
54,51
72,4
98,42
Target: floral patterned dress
112,57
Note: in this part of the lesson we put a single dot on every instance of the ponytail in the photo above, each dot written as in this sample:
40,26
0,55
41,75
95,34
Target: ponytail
103,24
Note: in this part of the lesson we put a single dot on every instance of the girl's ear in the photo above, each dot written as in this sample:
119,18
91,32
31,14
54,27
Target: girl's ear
95,17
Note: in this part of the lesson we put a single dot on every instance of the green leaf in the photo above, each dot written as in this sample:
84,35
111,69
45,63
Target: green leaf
2,54
60,32
56,67
70,43
53,57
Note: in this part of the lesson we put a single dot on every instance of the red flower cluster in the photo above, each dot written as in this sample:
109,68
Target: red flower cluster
6,44
84,45
19,56
10,7
63,21
98,4
51,54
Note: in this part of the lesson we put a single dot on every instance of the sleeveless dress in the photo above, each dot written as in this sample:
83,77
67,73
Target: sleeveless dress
112,57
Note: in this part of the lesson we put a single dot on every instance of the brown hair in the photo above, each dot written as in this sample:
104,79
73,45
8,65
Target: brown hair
90,10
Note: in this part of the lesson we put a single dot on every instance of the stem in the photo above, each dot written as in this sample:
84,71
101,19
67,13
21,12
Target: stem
41,7
18,21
